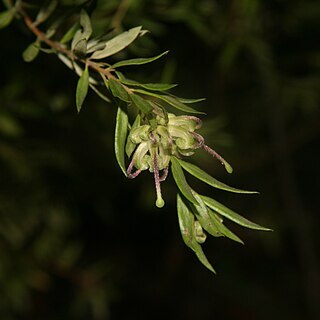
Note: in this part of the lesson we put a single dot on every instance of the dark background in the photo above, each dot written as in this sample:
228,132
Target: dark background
79,241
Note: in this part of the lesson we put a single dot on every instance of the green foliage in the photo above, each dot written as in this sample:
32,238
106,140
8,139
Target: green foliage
117,44
82,88
120,138
31,52
78,240
6,17
157,140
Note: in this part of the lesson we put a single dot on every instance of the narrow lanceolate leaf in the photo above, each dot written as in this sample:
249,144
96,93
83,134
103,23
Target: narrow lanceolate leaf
117,43
142,104
148,86
118,90
186,224
204,218
157,86
31,52
211,223
179,105
223,229
186,220
231,215
184,100
6,17
171,101
82,88
138,61
120,138
181,181
46,11
70,33
85,23
203,176
130,146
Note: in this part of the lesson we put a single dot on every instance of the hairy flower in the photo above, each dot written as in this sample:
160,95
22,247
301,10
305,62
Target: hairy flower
154,145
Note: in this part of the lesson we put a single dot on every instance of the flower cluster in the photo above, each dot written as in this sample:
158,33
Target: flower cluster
151,146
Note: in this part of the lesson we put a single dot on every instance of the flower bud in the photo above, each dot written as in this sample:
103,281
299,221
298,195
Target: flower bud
140,134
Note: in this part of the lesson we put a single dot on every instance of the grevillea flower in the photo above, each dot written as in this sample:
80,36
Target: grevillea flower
151,146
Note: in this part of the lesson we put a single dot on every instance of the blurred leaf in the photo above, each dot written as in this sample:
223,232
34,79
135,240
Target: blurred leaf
118,90
141,103
231,215
85,23
205,177
70,33
31,52
82,88
117,43
80,48
79,44
138,61
174,102
184,100
148,86
186,223
6,17
181,181
46,11
9,126
120,138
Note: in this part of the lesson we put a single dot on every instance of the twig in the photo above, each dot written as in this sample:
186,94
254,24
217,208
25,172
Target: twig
59,47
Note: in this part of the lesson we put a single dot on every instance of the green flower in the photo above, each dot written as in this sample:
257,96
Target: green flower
154,145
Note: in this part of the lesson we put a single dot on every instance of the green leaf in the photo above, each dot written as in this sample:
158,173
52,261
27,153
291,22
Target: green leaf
80,48
142,104
69,34
8,4
205,220
211,223
231,215
79,44
117,43
157,86
171,101
85,23
223,229
82,88
181,181
186,220
186,224
148,86
46,11
6,17
205,177
138,61
130,146
31,52
118,90
184,100
120,138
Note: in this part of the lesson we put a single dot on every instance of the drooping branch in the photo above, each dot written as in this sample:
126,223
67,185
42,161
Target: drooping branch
57,46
